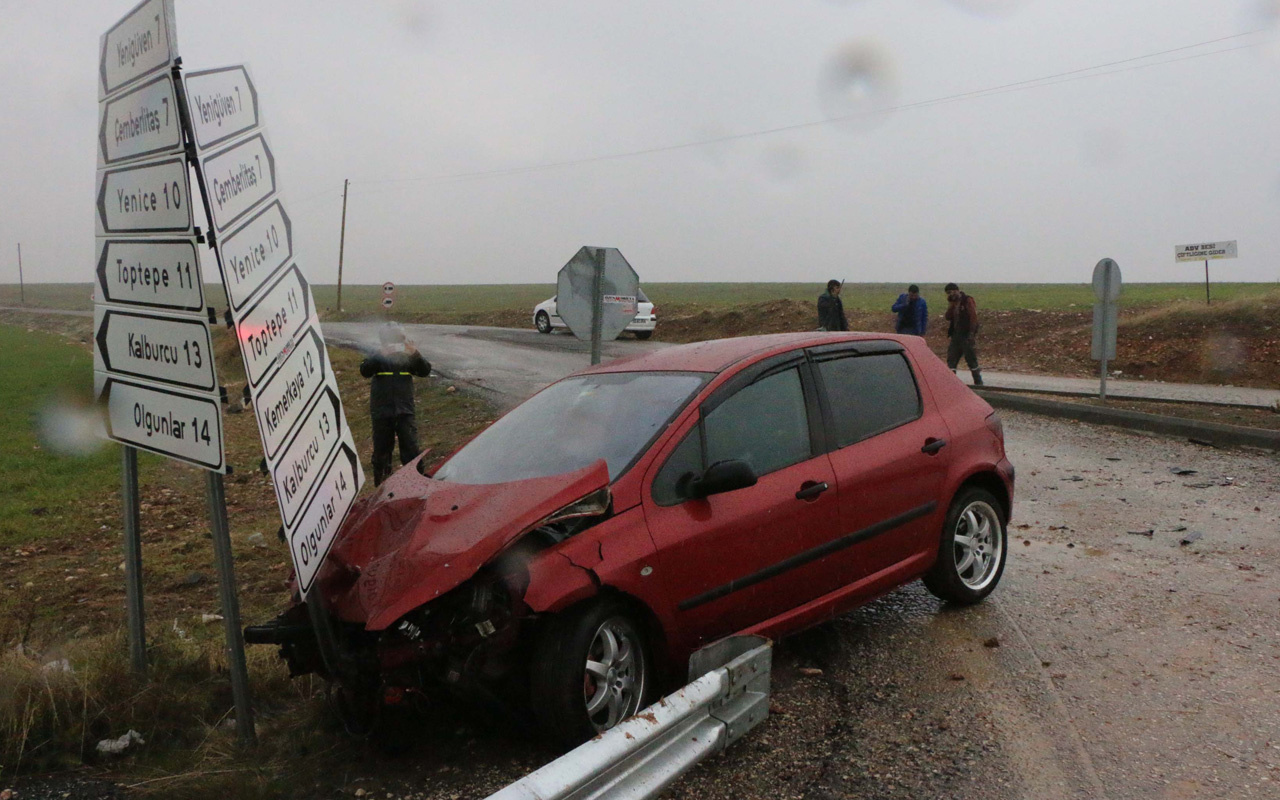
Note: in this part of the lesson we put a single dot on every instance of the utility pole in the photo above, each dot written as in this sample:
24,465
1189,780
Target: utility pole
342,240
22,289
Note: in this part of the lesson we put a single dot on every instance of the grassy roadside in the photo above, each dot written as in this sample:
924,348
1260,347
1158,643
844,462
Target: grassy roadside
64,680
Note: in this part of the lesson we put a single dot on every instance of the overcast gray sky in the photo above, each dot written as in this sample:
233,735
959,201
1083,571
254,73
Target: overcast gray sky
1028,185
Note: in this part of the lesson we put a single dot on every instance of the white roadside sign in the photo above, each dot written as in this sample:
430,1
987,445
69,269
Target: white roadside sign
1205,251
223,104
149,197
182,425
312,536
142,43
253,253
238,178
282,399
301,461
154,273
171,350
268,328
140,122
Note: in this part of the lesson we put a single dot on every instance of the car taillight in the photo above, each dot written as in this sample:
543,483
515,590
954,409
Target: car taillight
653,312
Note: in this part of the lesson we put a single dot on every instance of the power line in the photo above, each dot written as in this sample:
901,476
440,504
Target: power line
1023,85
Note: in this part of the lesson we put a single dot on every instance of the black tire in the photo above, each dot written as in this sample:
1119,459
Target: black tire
969,566
642,335
542,322
561,685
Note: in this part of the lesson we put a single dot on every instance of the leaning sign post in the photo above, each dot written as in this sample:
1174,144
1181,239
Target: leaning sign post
1106,291
1206,252
596,295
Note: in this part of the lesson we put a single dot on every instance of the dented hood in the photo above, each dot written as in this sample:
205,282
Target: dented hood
417,538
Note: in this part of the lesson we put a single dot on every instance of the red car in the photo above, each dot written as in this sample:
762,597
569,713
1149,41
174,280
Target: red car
571,556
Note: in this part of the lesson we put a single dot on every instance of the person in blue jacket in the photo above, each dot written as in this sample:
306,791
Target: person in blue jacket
913,312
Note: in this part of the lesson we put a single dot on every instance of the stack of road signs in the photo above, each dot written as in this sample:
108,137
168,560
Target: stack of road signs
153,357
308,445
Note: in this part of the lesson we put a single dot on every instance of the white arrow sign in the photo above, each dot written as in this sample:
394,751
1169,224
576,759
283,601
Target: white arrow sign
270,325
301,460
173,423
151,197
140,122
141,44
281,400
253,253
311,537
156,273
238,179
172,350
223,104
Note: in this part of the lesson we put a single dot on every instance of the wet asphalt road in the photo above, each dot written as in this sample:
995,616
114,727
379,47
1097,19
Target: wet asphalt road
1112,662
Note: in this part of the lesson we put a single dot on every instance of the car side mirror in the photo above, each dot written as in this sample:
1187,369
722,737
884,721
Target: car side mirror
720,477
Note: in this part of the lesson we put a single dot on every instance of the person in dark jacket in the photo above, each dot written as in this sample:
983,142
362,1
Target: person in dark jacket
912,311
831,310
392,370
962,331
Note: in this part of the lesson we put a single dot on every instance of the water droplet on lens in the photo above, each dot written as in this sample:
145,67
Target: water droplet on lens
782,162
71,430
858,84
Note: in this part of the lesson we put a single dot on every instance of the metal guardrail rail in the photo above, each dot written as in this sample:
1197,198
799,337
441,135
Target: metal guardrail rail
727,696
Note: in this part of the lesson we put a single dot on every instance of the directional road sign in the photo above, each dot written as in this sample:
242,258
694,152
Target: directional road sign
311,537
223,104
267,328
575,286
142,43
300,463
140,122
147,197
155,273
283,398
170,350
253,253
182,425
238,178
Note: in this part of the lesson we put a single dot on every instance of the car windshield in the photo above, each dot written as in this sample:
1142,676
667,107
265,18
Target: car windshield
572,424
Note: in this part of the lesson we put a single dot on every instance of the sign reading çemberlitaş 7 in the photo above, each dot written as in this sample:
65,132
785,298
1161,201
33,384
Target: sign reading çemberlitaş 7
140,122
1205,251
142,43
238,178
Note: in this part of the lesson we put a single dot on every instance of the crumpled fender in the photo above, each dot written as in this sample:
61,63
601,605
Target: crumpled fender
419,538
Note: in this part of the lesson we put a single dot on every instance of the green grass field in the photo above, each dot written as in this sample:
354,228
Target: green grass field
450,300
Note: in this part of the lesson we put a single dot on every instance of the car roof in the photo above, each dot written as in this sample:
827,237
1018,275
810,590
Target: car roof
718,355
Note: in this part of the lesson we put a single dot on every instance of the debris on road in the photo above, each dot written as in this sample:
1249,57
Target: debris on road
118,746
994,641
1149,532
810,671
1183,471
1194,536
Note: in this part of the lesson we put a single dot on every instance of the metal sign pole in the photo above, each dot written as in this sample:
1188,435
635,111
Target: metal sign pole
342,240
133,560
1206,282
22,286
230,607
597,306
1107,309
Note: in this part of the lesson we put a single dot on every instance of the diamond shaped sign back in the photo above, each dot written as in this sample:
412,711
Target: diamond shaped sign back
574,287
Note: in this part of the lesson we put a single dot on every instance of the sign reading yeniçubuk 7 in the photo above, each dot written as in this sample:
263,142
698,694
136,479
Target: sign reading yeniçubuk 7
172,350
142,43
155,273
238,178
254,252
223,104
147,197
312,536
267,329
182,425
140,122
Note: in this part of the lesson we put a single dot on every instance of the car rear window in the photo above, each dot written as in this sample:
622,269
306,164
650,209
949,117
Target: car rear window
869,394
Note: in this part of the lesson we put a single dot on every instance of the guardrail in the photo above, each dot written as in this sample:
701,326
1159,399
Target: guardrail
728,695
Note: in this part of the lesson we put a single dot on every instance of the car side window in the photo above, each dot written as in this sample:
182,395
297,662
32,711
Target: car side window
869,395
764,424
685,462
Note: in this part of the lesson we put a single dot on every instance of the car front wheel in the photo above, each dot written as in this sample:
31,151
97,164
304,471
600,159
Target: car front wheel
543,322
591,670
972,552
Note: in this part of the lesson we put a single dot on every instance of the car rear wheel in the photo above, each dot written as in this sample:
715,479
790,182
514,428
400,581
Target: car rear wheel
591,670
971,555
642,335
543,322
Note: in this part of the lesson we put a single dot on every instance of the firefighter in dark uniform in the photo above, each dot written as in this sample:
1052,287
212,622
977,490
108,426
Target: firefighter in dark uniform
392,370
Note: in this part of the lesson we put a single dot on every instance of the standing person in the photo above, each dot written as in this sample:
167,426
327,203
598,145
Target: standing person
962,331
913,312
831,309
392,369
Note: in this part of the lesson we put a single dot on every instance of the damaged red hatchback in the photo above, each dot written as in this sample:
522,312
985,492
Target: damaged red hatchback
572,556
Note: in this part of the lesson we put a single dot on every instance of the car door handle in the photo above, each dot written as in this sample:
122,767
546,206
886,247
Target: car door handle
932,446
811,490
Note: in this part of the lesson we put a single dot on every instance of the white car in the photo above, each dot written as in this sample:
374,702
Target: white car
545,317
